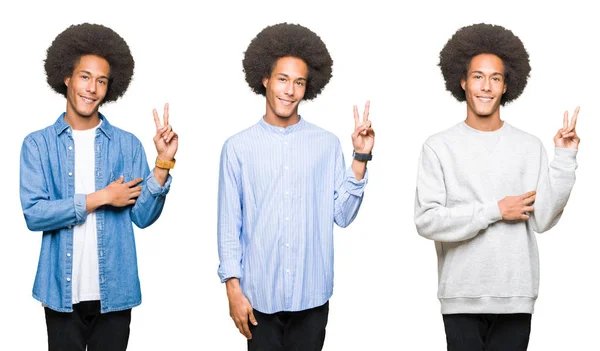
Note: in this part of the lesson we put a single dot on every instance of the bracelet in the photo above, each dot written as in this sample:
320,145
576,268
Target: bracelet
361,157
165,164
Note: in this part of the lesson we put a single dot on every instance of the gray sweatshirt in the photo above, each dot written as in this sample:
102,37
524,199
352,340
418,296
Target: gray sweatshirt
486,264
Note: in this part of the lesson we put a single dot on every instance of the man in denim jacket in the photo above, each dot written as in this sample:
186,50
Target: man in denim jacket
83,182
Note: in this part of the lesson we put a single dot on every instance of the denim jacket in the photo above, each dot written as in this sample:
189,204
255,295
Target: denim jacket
51,205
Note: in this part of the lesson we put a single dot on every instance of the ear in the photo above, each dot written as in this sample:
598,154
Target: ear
504,90
265,81
67,80
463,84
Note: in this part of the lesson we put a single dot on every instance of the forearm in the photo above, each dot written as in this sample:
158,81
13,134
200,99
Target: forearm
348,197
161,175
359,168
454,224
553,190
47,215
95,200
150,203
233,287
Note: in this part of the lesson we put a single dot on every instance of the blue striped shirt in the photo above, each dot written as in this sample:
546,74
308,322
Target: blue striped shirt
280,191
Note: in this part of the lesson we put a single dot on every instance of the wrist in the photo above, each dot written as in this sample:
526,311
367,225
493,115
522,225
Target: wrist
165,163
360,156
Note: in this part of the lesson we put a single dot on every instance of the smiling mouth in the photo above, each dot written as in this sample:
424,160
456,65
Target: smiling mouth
485,98
87,100
286,102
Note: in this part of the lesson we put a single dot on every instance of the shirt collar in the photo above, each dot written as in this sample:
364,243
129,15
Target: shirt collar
60,125
281,130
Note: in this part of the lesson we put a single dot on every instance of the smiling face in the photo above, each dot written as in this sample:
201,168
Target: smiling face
484,85
285,89
86,87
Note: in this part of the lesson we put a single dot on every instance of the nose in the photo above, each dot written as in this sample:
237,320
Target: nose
91,86
486,85
289,88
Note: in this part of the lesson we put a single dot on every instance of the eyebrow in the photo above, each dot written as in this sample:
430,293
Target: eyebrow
493,74
90,73
287,76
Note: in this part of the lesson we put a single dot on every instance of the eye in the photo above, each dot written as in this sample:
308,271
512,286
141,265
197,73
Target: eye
497,79
103,82
84,77
477,76
282,79
300,83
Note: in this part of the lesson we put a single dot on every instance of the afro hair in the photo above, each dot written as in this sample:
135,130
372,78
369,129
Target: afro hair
89,39
287,40
482,38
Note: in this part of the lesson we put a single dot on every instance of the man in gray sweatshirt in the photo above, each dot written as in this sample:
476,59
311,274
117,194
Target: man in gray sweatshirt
483,188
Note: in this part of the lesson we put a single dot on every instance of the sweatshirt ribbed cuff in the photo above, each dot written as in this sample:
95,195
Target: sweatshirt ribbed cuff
491,212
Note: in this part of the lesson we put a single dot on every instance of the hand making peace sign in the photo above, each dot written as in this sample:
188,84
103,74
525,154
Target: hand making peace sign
165,140
566,137
363,137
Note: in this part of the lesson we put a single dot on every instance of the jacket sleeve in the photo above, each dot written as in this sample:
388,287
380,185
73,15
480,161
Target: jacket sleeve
41,211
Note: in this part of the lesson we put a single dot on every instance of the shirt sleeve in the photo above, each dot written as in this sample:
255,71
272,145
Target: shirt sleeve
553,188
42,213
348,194
150,203
229,212
437,222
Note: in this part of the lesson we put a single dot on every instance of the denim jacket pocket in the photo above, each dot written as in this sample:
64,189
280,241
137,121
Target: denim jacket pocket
127,176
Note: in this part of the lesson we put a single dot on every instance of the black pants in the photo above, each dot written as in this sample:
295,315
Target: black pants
487,332
289,331
87,326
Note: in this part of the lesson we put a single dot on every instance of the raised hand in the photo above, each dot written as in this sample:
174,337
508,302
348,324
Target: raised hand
363,137
566,137
165,140
515,208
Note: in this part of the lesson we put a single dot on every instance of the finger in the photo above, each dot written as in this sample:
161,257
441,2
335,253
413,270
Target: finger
170,136
574,119
524,216
135,195
566,120
366,113
568,135
168,130
529,200
528,194
156,119
166,114
240,328
356,117
131,201
246,329
528,209
360,130
252,318
119,180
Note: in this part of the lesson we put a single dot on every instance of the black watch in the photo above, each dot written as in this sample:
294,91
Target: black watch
361,157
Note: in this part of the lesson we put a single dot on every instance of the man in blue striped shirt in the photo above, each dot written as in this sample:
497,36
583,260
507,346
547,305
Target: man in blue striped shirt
282,186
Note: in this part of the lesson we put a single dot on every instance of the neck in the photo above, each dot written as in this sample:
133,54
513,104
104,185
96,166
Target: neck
283,122
485,124
78,122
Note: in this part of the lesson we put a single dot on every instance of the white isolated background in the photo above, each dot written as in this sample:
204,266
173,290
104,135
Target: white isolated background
189,54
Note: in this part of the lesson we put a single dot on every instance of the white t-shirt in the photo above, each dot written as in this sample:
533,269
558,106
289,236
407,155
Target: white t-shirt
85,282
